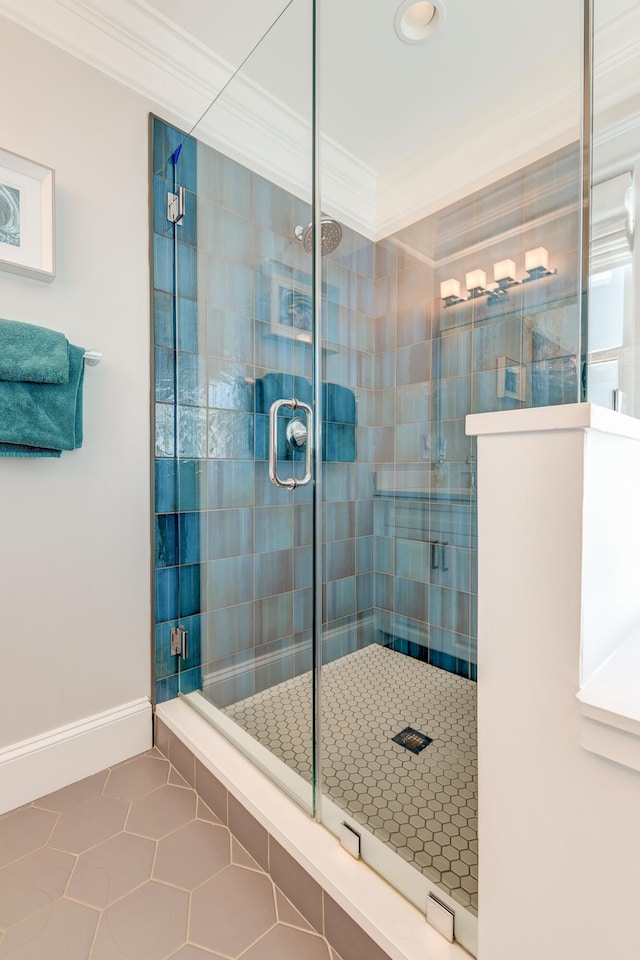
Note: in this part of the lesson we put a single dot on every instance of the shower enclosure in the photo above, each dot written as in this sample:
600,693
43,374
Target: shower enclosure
325,316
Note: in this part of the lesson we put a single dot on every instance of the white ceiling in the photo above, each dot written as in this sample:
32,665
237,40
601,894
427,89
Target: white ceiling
382,99
407,129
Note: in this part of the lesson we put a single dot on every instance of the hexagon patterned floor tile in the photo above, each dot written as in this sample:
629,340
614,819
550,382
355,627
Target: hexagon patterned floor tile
423,805
132,863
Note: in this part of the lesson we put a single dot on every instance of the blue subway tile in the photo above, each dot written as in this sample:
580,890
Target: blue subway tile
166,592
230,435
164,375
230,631
191,375
192,476
163,278
192,432
230,533
166,540
230,483
190,537
163,319
187,324
167,689
190,680
166,486
187,271
189,579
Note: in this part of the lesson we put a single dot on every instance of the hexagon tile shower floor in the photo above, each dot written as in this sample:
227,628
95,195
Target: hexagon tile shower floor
423,805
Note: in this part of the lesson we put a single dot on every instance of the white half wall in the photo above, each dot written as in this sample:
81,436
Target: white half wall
559,837
75,584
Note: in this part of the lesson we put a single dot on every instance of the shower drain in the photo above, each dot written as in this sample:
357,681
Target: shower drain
412,739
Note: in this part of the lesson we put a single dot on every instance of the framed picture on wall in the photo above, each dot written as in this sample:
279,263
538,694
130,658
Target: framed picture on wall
26,217
291,307
511,381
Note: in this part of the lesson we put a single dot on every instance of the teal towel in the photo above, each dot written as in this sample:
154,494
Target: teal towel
35,354
41,419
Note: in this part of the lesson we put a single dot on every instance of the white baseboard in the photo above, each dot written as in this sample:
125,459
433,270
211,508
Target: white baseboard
38,766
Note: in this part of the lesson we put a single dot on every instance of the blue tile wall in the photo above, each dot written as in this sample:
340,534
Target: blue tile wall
233,553
177,379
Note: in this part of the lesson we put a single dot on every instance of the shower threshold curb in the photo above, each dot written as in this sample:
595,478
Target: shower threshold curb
394,924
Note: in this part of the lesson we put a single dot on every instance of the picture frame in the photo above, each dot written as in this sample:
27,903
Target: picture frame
291,308
511,379
27,219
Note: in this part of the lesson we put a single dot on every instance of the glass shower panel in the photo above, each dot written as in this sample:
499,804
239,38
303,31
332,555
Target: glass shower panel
455,289
247,346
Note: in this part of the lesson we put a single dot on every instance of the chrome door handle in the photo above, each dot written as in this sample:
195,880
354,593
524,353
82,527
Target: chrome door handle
289,482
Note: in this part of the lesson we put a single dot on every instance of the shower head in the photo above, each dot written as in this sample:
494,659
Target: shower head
331,233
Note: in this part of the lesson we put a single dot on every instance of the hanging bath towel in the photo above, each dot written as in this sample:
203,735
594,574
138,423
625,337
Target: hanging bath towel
42,419
31,353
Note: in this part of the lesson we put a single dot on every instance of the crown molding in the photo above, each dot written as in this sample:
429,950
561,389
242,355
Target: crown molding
135,45
132,43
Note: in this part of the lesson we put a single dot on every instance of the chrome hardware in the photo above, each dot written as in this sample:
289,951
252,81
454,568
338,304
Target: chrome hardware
350,840
295,431
176,206
179,638
440,916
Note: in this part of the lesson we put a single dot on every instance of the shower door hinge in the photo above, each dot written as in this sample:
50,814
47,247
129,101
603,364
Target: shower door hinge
179,637
176,206
440,917
350,840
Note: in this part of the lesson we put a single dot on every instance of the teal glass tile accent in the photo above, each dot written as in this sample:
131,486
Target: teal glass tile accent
187,323
230,384
192,432
187,271
340,598
230,435
273,618
190,680
163,320
166,594
229,582
165,430
230,335
273,573
167,688
230,483
192,484
192,379
190,537
189,587
166,540
302,610
303,567
364,554
163,274
365,593
230,533
230,631
166,486
273,528
165,378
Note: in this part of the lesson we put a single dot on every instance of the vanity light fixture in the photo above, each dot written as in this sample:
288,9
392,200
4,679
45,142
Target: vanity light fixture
536,264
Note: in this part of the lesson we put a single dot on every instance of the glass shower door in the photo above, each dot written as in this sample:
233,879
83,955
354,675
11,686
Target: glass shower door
244,410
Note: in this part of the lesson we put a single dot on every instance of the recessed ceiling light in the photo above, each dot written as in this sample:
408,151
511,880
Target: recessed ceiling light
415,20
